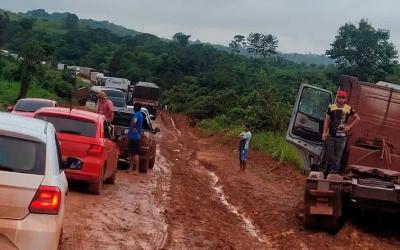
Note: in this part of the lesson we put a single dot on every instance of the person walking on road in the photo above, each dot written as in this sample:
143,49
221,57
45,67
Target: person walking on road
134,135
245,137
336,129
105,106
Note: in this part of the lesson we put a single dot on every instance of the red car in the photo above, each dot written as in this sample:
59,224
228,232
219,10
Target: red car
89,137
28,106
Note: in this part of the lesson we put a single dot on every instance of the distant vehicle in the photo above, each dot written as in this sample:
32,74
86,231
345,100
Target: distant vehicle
147,145
28,106
95,77
117,83
371,161
148,95
117,97
89,137
85,72
33,186
61,66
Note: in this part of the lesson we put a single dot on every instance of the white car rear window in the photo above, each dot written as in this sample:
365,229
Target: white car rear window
22,156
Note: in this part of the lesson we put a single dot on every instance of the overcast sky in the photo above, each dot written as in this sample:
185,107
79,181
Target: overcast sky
300,25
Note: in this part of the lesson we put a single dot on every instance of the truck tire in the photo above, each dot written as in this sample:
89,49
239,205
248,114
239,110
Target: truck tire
143,166
152,162
97,187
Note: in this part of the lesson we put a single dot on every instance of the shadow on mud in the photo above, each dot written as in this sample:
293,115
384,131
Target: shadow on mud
123,165
78,186
381,224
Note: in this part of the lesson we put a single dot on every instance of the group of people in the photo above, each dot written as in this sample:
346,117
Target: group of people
105,107
335,131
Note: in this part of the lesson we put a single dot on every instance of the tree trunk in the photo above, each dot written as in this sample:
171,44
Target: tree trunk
23,90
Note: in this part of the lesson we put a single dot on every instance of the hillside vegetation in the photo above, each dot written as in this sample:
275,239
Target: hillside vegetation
212,85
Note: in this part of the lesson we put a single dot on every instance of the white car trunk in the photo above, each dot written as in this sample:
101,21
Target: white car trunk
16,193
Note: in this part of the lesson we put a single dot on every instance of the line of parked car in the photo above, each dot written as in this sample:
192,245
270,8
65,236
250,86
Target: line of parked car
37,156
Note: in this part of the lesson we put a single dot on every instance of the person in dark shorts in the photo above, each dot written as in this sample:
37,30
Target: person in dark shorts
134,135
336,129
245,137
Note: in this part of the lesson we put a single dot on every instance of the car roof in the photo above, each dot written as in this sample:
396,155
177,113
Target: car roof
36,99
87,115
24,126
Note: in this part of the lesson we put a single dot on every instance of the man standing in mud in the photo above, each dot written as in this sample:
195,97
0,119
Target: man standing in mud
134,135
336,130
245,137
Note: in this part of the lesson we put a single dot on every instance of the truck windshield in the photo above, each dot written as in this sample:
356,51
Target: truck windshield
314,103
22,156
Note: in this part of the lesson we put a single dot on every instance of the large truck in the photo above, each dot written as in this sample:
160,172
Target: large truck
95,77
371,162
117,83
148,95
85,72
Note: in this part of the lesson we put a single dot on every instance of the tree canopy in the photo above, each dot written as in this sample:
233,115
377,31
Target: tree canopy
363,51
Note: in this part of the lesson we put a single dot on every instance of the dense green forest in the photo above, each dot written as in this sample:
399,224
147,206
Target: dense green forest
221,88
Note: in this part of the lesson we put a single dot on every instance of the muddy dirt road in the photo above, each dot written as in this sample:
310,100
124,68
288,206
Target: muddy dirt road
194,198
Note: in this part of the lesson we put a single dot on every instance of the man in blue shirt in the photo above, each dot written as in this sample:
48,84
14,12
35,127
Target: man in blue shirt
134,135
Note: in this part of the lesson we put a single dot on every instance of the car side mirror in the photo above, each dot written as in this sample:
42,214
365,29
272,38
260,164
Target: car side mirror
72,163
10,108
152,117
156,130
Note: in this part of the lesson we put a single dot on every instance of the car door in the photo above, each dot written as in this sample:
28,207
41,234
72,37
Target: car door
306,124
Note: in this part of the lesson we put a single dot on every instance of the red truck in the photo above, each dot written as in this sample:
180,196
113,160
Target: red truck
371,161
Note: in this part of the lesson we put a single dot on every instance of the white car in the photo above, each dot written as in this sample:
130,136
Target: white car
32,184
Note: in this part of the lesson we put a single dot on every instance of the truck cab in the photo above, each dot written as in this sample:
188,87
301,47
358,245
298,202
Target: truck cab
371,161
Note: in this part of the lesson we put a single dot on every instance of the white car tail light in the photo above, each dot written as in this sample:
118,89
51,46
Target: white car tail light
46,200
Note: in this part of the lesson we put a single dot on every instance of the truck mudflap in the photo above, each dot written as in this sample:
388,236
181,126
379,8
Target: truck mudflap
323,203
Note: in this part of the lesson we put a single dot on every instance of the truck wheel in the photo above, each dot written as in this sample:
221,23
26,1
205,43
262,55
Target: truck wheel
112,179
152,162
143,166
97,187
311,221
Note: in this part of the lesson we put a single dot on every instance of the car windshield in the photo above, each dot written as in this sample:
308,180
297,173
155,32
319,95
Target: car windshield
118,102
22,156
69,125
31,105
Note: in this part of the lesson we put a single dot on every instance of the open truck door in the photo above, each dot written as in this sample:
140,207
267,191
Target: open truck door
322,197
307,122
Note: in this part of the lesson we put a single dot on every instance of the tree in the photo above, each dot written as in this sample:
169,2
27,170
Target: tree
4,22
363,51
182,39
260,44
31,55
237,43
71,21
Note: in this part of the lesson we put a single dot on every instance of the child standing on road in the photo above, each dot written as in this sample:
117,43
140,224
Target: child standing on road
245,137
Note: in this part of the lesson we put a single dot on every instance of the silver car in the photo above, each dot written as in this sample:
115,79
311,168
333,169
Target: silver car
32,184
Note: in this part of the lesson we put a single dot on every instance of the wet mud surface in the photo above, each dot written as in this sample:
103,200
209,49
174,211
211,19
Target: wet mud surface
195,198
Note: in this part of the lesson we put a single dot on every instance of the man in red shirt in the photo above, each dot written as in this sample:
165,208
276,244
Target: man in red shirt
105,106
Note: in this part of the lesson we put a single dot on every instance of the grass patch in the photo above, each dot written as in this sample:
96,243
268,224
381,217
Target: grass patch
269,142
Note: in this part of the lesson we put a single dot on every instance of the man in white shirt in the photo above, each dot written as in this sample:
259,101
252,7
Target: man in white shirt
245,137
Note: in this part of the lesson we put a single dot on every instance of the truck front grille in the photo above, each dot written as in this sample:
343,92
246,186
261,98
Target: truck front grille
374,182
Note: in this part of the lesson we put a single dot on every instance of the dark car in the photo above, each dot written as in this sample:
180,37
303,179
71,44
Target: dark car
147,145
